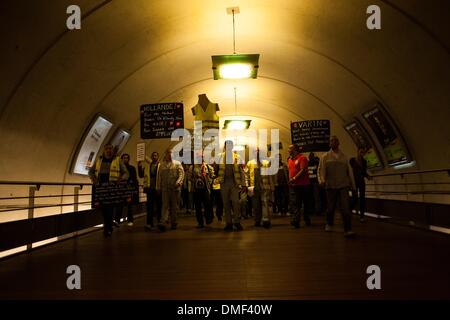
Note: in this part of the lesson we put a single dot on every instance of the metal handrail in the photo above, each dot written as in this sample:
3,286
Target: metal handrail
45,206
412,172
405,184
50,196
40,183
408,192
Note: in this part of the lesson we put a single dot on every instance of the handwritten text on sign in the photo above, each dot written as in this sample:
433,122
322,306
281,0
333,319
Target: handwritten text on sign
113,194
311,135
158,120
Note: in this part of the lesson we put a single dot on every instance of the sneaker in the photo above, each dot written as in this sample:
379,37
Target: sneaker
116,224
328,228
130,224
228,227
238,227
267,224
148,226
161,227
349,234
362,220
295,224
107,234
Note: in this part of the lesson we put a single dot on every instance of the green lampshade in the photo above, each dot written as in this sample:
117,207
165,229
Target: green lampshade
235,66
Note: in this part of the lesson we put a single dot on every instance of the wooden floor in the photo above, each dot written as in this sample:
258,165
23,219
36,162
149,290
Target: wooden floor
280,263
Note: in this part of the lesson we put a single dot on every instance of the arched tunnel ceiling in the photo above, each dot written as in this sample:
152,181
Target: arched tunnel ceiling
318,60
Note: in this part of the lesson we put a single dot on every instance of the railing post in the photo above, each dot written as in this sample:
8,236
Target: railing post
76,192
31,192
76,200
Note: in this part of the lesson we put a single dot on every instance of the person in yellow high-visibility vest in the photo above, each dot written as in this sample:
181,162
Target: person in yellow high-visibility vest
262,187
108,168
149,171
232,179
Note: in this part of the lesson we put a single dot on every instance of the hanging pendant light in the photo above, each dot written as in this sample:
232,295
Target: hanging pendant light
236,124
235,66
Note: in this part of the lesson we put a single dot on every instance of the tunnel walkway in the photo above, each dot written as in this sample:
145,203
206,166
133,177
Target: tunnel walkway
280,263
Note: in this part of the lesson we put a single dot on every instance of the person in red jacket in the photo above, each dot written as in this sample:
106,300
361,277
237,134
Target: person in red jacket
299,186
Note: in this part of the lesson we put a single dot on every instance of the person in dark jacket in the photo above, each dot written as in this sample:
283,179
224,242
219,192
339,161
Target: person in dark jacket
133,181
313,165
108,169
359,167
149,171
201,182
281,188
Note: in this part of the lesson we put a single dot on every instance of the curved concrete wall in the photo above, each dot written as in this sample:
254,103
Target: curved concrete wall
318,60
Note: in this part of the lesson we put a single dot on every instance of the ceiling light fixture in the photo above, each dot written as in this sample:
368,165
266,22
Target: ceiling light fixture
236,124
235,66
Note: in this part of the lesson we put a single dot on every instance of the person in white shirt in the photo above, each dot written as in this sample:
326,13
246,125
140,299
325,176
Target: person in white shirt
168,183
335,174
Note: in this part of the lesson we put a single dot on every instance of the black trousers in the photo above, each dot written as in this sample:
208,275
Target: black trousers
130,212
339,195
202,200
300,196
154,201
185,201
216,200
281,199
317,203
118,212
361,194
107,212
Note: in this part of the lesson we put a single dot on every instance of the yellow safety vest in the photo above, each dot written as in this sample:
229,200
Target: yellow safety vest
209,117
147,174
267,181
216,184
114,169
236,170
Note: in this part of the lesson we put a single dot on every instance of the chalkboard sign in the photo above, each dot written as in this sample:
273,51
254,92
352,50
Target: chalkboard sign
158,120
387,135
113,194
311,135
361,139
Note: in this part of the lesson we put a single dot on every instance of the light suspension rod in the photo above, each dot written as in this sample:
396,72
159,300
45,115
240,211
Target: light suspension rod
235,102
234,36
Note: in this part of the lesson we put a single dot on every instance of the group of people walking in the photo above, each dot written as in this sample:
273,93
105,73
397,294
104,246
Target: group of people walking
226,190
